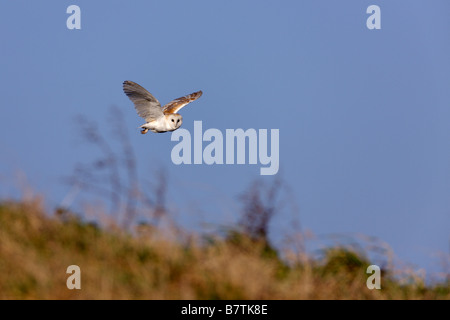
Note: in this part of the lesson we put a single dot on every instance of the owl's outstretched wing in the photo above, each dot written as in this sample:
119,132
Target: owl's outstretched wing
175,105
146,105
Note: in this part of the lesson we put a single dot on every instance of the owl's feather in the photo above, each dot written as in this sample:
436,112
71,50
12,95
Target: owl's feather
175,105
146,105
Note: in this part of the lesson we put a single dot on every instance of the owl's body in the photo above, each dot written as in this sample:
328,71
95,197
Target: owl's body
163,124
158,119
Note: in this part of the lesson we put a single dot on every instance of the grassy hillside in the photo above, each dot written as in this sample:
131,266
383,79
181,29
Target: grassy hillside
36,248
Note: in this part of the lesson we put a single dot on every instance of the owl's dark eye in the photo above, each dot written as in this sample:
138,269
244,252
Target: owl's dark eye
178,120
173,120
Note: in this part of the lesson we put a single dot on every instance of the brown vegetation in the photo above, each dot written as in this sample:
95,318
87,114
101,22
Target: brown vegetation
36,248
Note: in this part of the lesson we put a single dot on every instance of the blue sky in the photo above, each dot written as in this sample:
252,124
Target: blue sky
363,114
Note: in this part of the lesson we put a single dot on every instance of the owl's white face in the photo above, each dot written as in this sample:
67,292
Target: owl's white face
174,121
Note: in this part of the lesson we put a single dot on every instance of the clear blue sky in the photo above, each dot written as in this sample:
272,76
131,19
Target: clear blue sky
363,114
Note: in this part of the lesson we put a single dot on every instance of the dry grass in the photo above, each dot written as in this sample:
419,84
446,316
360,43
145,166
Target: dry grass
36,249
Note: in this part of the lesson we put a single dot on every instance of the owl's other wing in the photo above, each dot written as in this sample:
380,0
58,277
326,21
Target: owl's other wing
146,105
175,105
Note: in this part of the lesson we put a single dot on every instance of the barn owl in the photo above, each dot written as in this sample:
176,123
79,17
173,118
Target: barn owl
158,119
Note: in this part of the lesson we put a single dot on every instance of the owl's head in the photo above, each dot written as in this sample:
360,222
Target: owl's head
174,120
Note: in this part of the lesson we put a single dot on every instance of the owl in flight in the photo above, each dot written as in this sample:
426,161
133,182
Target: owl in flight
158,119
